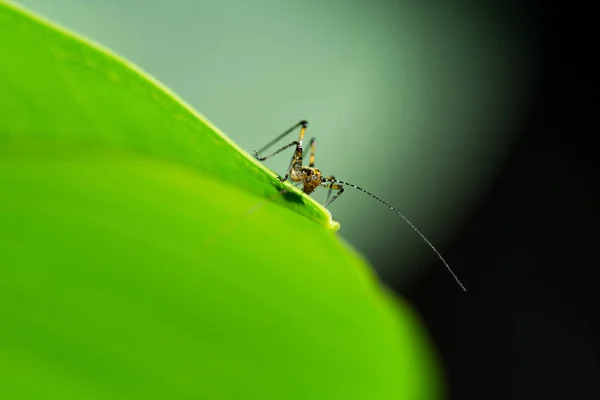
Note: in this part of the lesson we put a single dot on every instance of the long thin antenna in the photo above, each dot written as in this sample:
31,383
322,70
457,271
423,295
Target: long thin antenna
409,223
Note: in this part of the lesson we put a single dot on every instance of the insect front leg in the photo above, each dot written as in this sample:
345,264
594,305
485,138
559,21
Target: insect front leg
332,186
330,190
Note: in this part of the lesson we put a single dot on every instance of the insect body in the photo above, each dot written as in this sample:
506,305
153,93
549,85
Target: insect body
311,178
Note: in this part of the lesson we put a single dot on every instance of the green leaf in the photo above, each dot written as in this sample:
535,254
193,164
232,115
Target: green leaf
144,255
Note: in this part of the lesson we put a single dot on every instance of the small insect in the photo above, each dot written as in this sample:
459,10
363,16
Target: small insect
311,178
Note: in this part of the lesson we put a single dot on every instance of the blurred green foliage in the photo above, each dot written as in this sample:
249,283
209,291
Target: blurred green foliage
143,255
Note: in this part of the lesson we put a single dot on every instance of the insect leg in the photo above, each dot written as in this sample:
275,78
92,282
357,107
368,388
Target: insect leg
313,147
330,190
296,160
331,186
278,138
287,146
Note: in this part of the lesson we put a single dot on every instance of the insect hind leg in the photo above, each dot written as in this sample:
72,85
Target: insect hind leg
302,123
294,143
313,147
296,160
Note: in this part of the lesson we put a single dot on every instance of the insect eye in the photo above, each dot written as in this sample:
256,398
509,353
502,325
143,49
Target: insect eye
309,172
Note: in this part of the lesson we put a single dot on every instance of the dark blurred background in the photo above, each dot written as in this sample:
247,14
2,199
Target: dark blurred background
472,119
529,327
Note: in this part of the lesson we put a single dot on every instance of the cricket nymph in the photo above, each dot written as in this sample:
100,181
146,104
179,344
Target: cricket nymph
311,178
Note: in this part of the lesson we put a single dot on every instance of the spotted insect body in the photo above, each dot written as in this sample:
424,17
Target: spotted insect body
310,178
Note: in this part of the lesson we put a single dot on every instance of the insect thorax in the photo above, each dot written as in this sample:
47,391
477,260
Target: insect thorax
310,177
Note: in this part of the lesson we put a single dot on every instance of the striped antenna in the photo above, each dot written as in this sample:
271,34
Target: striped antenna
408,222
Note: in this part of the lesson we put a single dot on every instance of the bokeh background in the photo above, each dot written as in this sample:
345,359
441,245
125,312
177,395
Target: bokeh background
464,117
